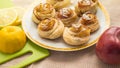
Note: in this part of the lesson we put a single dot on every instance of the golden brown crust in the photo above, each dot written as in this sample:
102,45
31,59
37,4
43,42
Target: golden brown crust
43,11
86,5
46,24
76,35
90,21
35,20
68,16
50,28
58,4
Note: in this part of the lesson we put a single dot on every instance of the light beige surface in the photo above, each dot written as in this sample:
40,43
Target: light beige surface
79,59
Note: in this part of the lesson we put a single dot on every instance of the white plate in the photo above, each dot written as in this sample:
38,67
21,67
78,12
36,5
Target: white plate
30,29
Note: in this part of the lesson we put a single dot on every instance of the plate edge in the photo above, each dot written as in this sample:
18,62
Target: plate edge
107,17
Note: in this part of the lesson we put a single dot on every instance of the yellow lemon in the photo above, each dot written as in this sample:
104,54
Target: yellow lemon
12,39
20,11
7,17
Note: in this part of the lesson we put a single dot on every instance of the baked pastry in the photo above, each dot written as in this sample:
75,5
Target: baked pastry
58,4
90,21
43,11
86,5
50,28
67,15
76,35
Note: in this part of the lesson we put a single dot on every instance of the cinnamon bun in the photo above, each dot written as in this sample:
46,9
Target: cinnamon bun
76,35
86,5
51,28
43,11
58,4
67,16
90,21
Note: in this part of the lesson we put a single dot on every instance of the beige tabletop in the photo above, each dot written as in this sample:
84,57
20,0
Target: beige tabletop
79,59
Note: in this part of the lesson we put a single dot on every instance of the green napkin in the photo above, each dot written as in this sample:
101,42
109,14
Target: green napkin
38,52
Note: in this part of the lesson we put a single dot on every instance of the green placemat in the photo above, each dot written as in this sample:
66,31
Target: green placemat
38,52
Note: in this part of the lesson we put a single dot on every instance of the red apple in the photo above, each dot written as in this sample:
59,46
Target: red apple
108,46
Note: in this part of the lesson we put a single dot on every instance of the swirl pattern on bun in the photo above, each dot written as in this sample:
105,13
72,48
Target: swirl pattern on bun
67,15
58,4
76,35
90,21
43,11
86,5
51,28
